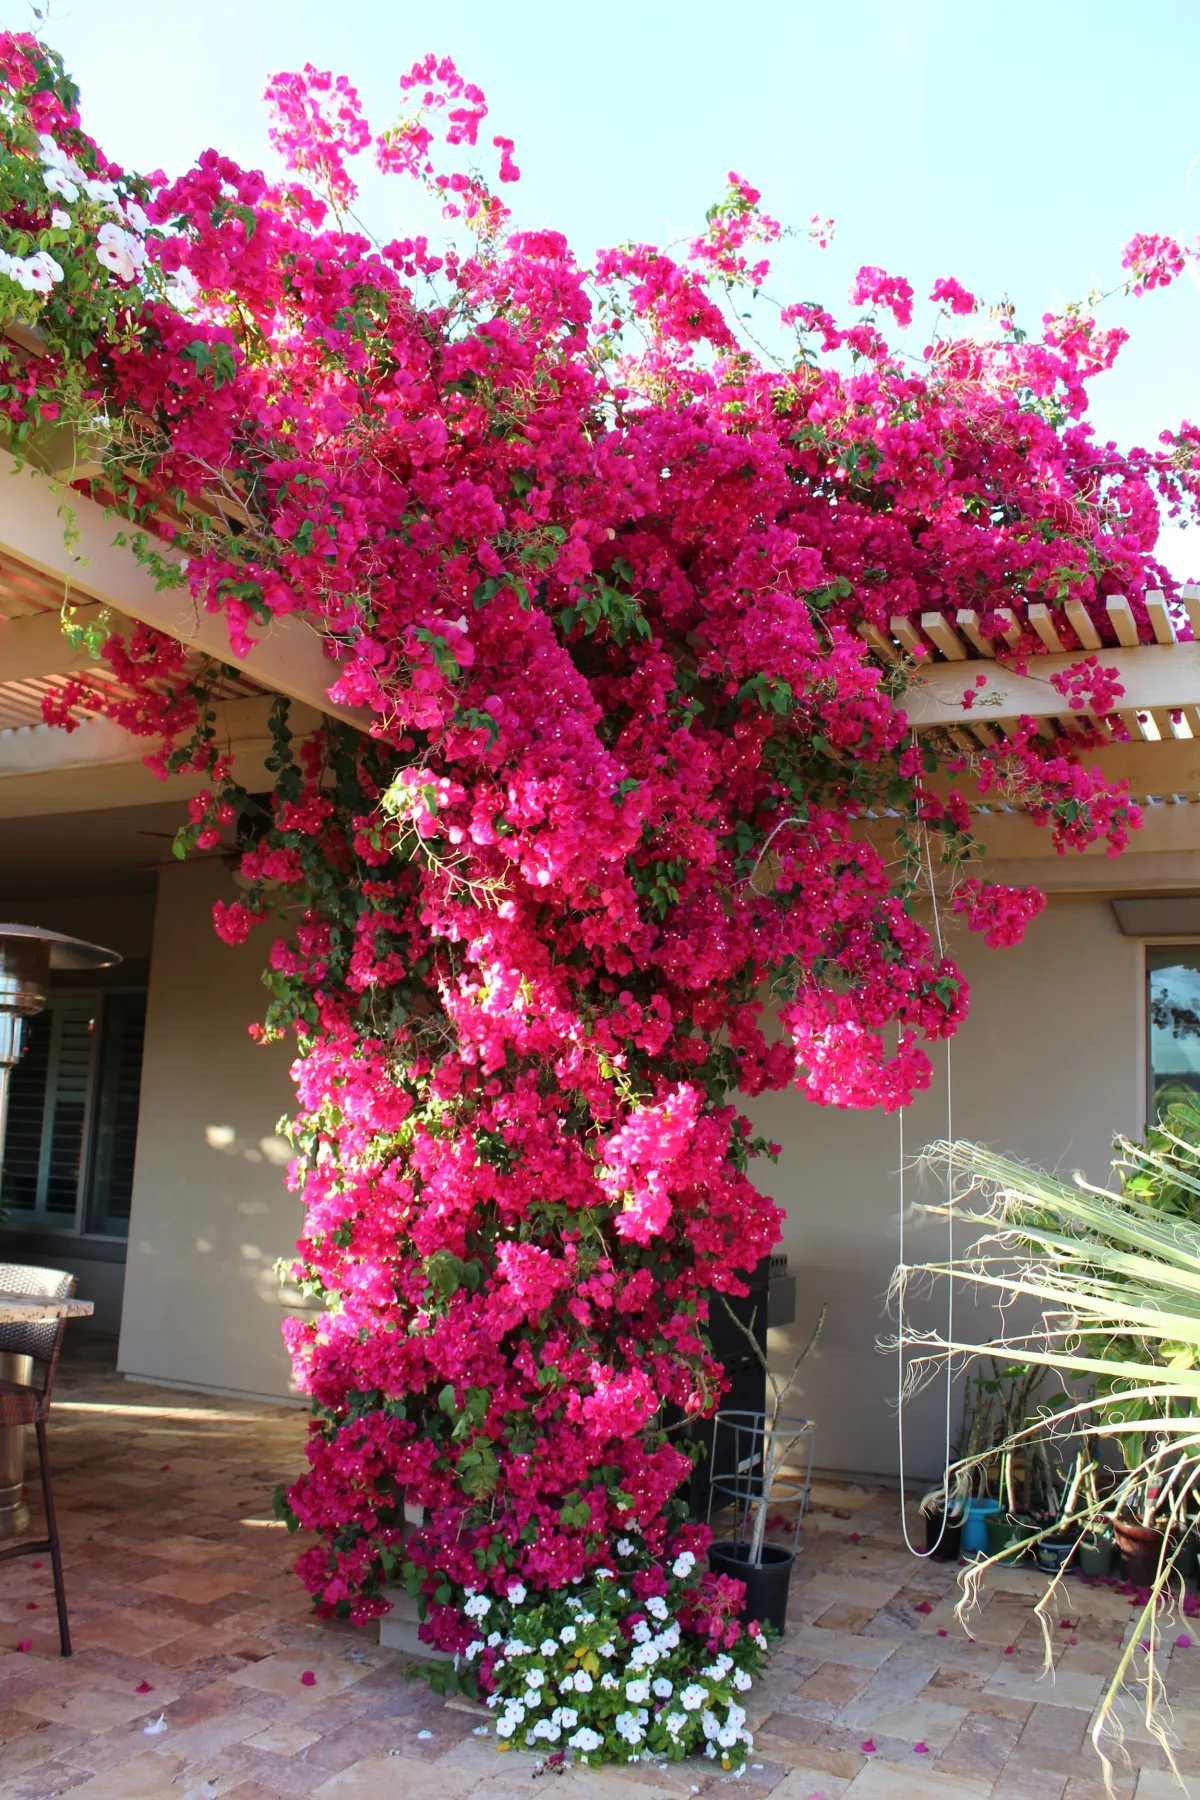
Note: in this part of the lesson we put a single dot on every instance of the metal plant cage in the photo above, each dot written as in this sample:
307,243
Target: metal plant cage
759,1464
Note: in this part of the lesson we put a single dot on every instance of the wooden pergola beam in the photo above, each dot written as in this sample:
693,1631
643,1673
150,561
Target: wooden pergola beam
34,647
1152,675
289,657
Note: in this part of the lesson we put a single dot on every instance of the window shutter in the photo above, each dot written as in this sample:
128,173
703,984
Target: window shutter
49,1097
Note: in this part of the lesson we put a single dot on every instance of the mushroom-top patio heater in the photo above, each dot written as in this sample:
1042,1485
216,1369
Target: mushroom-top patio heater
27,955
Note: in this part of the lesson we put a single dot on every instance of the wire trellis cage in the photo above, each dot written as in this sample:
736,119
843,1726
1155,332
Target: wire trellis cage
761,1465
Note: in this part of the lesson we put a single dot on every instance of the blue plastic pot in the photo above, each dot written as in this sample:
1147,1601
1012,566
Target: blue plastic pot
974,1537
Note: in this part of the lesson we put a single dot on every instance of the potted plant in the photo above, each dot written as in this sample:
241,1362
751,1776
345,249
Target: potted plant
944,1510
770,1466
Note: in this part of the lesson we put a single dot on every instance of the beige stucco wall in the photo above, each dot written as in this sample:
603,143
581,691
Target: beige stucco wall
211,1213
1048,1065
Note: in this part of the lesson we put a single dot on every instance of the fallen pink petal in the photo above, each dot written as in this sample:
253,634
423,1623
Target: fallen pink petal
1183,1641
143,1687
921,1749
868,1746
25,1644
308,1679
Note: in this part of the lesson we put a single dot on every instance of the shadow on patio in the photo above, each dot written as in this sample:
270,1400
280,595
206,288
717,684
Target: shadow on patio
186,1617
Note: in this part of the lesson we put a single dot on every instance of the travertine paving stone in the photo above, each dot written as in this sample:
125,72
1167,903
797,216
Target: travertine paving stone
181,1587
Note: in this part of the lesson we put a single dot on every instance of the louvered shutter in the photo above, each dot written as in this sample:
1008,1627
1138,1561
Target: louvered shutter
49,1095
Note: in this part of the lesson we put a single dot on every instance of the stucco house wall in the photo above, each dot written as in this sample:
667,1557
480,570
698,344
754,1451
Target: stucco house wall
1048,1065
211,1214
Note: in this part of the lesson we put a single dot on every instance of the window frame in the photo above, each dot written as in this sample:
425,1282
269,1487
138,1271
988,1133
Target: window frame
30,1224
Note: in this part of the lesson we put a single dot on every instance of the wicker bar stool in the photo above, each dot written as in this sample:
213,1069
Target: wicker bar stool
24,1404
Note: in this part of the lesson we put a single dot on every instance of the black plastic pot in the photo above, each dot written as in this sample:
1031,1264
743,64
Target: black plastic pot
949,1549
766,1582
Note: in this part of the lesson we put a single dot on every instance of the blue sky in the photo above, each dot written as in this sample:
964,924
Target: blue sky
1016,146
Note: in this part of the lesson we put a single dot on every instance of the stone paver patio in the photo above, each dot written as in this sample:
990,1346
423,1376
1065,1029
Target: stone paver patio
192,1639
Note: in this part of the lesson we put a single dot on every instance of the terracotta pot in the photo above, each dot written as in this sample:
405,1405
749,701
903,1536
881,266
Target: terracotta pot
1140,1547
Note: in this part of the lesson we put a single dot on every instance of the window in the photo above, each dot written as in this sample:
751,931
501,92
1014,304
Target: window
1173,1007
72,1115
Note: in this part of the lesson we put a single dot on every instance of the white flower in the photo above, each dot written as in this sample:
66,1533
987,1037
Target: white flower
546,1728
656,1606
516,1592
628,1728
113,250
583,1682
183,290
59,182
662,1687
548,1647
742,1681
536,1677
604,1575
727,1738
586,1739
477,1605
102,192
675,1723
531,1697
587,1618
710,1725
624,1547
692,1697
608,1680
573,1602
566,1716
60,220
136,218
505,1727
736,1715
683,1565
710,1749
472,1650
37,274
494,1638
642,1632
567,1635
515,1647
637,1691
513,1709
608,1648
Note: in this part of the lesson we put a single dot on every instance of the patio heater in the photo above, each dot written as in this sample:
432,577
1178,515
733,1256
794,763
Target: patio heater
27,955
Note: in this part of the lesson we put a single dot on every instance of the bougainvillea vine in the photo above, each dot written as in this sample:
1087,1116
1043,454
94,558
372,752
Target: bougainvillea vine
635,822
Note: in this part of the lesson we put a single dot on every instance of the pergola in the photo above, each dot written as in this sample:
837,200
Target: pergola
46,770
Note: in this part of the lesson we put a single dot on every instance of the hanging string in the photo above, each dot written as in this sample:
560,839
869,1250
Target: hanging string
936,1545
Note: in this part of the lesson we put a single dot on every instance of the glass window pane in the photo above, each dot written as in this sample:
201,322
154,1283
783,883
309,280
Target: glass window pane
1174,1025
118,1092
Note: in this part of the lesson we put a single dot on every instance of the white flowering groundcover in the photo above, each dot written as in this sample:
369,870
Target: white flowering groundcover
603,1676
